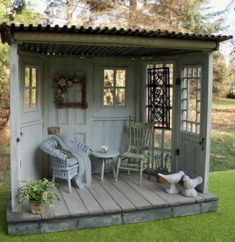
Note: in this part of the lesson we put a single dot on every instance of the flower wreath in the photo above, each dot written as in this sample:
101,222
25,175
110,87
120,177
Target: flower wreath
62,85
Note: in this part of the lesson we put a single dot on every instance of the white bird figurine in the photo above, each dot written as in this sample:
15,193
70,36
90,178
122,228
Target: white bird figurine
190,184
172,180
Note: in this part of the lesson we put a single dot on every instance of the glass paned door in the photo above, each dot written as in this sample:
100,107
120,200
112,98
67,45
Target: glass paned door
191,99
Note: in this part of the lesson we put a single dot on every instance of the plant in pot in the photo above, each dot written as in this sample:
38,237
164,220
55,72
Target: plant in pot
39,193
162,166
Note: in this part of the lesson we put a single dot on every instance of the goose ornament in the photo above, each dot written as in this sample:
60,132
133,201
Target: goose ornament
190,184
172,179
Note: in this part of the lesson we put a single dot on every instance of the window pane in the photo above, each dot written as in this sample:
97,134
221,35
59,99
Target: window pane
191,98
26,99
34,77
27,77
192,84
108,97
167,139
120,96
120,78
34,98
108,78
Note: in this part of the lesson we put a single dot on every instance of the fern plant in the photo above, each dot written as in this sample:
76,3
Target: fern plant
41,191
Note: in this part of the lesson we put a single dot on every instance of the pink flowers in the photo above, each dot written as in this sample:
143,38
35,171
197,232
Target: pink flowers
62,81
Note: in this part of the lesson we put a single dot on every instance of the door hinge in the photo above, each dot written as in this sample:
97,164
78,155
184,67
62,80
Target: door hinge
178,81
177,151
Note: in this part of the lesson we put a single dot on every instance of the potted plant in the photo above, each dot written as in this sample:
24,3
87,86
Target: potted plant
39,193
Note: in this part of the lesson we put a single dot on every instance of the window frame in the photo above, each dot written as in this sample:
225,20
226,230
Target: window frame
114,87
30,88
186,121
161,149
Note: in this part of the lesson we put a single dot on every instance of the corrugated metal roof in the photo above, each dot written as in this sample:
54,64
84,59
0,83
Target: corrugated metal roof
96,50
7,31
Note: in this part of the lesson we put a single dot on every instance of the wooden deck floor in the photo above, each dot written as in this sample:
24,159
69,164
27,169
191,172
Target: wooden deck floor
107,203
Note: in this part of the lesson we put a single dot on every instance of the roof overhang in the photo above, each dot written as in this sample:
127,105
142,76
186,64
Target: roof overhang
55,40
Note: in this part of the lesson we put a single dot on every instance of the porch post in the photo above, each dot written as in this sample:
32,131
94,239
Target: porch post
207,113
14,122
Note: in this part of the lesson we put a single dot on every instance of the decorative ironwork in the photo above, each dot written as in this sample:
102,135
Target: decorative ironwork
158,97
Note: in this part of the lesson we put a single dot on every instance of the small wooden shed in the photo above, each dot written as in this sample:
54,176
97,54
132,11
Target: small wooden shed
116,68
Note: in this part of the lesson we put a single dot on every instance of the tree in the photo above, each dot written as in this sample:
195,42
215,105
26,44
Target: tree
173,15
222,75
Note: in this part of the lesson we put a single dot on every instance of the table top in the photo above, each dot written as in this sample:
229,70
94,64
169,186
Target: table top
108,154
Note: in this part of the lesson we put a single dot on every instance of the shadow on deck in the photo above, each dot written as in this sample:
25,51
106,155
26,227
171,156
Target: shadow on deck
108,203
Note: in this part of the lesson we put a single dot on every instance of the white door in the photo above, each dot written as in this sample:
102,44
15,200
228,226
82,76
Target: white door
31,119
194,123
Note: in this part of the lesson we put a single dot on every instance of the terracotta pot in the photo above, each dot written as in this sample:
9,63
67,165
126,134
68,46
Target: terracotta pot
160,179
36,207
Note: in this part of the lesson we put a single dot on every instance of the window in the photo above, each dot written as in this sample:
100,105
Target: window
162,133
191,98
114,89
31,88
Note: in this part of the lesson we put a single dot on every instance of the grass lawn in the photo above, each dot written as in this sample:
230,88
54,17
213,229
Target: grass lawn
223,103
223,135
216,226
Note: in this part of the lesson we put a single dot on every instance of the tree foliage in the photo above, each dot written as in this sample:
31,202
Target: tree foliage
223,76
173,15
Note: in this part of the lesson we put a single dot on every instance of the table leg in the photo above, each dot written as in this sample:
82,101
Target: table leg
114,168
102,169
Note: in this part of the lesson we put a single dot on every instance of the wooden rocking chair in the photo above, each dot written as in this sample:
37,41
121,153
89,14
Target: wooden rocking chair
138,155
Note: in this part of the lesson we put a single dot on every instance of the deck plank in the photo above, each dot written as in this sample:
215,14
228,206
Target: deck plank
120,199
103,198
171,199
61,209
48,213
89,201
149,195
73,201
138,200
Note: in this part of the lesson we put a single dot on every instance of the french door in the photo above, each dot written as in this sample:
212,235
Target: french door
193,105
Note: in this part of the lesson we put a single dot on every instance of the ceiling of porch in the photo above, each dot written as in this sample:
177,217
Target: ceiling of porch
96,50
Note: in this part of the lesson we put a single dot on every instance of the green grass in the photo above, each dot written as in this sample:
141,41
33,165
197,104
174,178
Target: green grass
223,135
223,103
222,152
214,227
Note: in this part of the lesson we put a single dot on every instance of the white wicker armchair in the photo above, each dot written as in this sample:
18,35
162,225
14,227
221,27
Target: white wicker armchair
64,162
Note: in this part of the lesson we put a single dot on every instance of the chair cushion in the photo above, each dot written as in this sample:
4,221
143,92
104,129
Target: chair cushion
72,161
133,155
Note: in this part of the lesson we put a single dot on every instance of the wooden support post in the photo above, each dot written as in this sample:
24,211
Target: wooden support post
208,107
14,123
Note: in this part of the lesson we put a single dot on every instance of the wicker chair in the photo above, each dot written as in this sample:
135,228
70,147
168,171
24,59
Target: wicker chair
64,165
138,155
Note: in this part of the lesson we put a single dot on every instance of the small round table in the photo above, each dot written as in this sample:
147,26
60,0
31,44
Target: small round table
105,157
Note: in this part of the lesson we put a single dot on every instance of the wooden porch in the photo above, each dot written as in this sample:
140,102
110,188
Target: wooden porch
108,203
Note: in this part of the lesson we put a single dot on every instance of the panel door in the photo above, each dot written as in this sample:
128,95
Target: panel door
193,100
73,122
31,119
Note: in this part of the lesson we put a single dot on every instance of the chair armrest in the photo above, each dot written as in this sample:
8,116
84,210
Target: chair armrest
82,147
